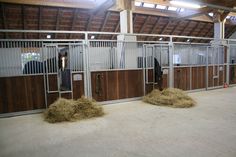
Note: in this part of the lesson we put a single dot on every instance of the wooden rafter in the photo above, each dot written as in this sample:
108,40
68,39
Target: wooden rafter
166,26
40,21
207,34
154,27
4,22
199,31
145,23
104,7
135,18
89,22
231,32
23,20
224,15
58,20
186,27
73,21
173,30
116,30
191,31
105,22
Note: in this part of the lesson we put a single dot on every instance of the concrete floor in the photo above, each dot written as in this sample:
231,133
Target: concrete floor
131,129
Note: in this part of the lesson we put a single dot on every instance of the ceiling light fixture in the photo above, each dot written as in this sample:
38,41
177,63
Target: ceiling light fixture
92,37
161,7
172,8
48,36
148,5
185,4
138,4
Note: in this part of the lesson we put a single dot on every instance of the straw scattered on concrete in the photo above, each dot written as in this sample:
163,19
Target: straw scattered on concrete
169,97
72,110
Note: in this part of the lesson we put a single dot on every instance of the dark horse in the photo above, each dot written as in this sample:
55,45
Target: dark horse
158,73
36,67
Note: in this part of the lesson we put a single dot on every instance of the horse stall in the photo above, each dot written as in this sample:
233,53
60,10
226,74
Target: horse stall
156,65
34,73
232,65
115,70
199,66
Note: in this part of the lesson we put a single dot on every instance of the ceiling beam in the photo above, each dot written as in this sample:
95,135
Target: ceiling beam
224,15
89,22
185,28
116,29
58,21
166,26
73,21
4,21
203,27
83,4
231,32
191,31
173,30
105,22
154,27
135,18
39,21
145,23
104,7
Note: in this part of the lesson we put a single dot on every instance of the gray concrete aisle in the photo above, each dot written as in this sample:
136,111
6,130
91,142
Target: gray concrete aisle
131,129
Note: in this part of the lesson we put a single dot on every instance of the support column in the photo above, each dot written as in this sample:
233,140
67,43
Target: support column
219,30
126,21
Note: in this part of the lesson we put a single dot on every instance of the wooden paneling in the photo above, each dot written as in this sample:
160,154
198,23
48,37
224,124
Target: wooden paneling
198,77
114,85
52,97
66,95
52,81
149,87
213,80
182,78
232,74
78,87
21,93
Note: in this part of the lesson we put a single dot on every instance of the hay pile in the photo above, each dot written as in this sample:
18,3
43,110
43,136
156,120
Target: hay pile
169,97
72,110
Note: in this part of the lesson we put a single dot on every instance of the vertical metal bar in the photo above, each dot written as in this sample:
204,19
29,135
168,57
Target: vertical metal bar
44,76
144,82
228,62
171,65
207,67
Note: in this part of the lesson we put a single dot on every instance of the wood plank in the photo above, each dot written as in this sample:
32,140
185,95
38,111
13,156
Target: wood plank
78,87
21,93
122,82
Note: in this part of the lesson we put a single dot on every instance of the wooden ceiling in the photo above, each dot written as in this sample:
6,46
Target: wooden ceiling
37,17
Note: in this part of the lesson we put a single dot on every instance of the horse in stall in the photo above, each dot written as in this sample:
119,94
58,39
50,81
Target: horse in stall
37,67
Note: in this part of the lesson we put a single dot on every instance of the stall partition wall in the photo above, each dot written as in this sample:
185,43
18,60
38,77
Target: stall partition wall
199,67
115,70
29,74
104,70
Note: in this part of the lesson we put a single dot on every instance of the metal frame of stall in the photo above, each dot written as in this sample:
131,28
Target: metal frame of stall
86,45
